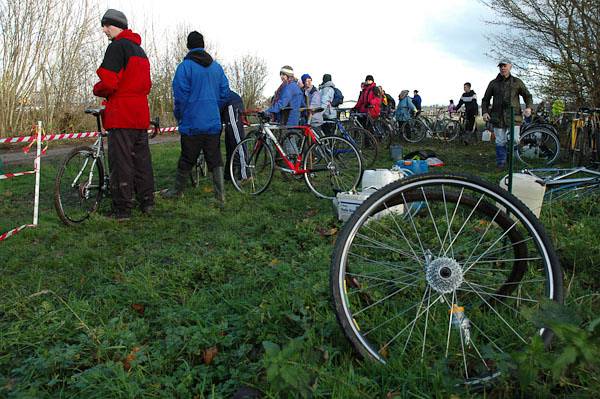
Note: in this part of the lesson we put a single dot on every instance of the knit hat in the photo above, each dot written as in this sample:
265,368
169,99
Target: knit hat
195,40
114,18
369,77
304,77
287,70
326,78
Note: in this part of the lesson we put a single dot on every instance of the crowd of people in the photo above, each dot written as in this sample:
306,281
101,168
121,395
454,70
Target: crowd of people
204,102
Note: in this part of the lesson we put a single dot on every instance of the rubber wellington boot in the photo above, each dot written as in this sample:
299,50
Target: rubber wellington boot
500,156
181,178
219,185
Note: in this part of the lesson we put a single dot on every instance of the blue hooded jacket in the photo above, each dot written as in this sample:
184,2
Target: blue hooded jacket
291,96
200,88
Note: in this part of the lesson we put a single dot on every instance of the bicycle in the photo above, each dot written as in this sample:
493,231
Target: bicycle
567,183
82,179
584,136
451,284
417,128
538,143
329,164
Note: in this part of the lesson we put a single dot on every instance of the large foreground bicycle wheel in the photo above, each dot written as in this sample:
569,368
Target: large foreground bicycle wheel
252,164
78,186
449,285
538,147
333,166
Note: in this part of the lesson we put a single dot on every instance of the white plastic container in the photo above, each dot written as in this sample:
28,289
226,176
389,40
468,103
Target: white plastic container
528,189
377,178
346,203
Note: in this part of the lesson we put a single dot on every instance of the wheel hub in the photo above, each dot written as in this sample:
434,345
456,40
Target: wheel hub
444,275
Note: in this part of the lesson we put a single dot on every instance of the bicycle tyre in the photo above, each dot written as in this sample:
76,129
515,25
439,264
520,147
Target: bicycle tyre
366,143
374,229
450,131
74,198
538,147
252,165
414,131
332,165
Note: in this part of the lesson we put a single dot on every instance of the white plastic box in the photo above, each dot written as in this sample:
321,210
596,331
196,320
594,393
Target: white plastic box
528,189
346,203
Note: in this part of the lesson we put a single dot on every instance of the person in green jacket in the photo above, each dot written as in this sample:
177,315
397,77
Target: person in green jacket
504,92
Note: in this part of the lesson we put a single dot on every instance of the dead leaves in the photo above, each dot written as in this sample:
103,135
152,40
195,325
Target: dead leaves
130,358
324,232
139,308
209,354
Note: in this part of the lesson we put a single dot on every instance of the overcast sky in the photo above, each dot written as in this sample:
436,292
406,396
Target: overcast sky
430,45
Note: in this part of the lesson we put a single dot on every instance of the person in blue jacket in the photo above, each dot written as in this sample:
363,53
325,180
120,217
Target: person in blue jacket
200,89
289,95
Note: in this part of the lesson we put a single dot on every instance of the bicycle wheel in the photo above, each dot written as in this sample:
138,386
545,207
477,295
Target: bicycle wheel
252,164
366,143
78,186
451,130
199,170
333,165
414,131
451,284
537,148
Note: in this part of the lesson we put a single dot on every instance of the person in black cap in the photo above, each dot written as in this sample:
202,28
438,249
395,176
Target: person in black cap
368,101
327,90
200,90
125,84
504,92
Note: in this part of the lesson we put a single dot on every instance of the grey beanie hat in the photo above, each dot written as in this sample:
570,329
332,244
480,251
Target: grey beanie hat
114,18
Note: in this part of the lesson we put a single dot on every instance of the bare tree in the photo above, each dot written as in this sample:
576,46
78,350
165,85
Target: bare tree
555,43
44,70
248,77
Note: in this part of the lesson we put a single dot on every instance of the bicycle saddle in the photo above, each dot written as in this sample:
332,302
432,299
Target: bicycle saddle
94,110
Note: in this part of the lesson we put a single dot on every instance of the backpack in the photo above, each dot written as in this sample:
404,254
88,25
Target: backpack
338,97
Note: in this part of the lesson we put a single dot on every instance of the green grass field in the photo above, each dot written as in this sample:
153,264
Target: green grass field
198,302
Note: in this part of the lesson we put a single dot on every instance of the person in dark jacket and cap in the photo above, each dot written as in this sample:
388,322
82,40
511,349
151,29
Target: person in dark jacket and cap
200,89
125,84
504,92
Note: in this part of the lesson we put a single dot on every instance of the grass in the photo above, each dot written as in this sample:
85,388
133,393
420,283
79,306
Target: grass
199,302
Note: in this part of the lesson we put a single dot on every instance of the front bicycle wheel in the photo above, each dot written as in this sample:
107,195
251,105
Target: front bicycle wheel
78,186
333,165
451,130
538,148
252,164
367,144
450,282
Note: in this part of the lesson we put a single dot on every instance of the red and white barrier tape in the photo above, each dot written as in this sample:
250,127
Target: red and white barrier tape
11,175
68,136
12,232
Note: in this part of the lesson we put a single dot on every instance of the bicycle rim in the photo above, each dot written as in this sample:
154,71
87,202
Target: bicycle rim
251,167
538,148
333,165
76,193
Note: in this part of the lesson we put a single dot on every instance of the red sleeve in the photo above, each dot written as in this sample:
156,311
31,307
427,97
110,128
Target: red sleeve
108,84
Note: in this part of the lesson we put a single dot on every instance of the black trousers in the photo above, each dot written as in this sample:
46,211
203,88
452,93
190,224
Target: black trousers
190,149
130,168
234,131
469,122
